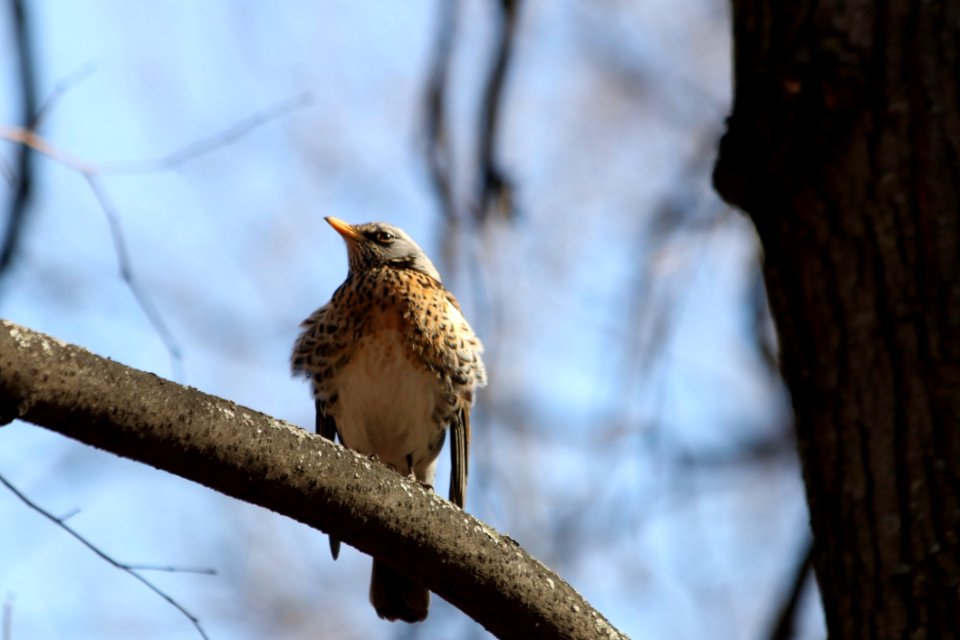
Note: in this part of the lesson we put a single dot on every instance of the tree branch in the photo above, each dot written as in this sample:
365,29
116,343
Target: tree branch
494,187
253,457
436,147
28,139
23,173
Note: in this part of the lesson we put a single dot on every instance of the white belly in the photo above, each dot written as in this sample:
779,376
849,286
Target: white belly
386,403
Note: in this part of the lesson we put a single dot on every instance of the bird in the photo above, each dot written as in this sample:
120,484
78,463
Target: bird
393,365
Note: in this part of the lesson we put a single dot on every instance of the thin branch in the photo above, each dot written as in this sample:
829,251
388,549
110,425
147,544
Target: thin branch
126,273
41,145
494,188
28,138
181,156
654,304
89,545
171,569
68,82
207,145
70,514
762,450
439,157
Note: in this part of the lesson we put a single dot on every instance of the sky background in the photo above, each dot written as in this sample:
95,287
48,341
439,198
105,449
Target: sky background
628,397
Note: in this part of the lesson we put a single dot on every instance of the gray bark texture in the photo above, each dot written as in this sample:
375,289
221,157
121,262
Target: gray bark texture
844,149
253,457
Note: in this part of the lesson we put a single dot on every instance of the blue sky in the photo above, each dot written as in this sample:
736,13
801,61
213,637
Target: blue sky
612,112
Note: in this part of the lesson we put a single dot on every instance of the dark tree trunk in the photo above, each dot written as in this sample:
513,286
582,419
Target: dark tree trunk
844,148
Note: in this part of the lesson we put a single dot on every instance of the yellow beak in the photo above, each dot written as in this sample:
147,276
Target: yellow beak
344,229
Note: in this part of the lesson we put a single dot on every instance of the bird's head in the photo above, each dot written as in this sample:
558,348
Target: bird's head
378,244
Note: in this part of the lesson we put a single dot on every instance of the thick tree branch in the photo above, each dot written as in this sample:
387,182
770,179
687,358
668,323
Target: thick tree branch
265,461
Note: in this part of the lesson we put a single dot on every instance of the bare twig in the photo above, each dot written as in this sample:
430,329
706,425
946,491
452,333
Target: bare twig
70,514
171,569
126,273
59,90
437,150
119,565
655,307
28,138
22,174
202,147
494,188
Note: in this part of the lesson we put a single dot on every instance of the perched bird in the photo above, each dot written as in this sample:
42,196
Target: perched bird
393,364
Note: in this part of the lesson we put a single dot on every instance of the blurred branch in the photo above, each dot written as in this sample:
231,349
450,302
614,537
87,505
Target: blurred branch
170,569
59,90
69,514
126,274
495,190
784,629
679,211
21,174
7,624
28,139
253,457
212,143
437,150
103,556
611,45
761,450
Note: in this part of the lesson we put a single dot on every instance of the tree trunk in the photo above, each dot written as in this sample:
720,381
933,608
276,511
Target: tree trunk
843,147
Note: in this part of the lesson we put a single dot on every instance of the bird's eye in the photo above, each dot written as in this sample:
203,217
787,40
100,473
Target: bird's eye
384,237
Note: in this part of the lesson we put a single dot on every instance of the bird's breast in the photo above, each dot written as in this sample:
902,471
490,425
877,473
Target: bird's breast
387,400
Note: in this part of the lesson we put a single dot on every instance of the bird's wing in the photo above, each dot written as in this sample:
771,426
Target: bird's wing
327,428
459,456
325,424
446,344
304,359
442,338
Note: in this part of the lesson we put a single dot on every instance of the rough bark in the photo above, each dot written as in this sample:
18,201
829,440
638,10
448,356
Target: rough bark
253,457
844,148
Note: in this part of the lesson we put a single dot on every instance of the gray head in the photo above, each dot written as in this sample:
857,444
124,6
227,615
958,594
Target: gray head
378,244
